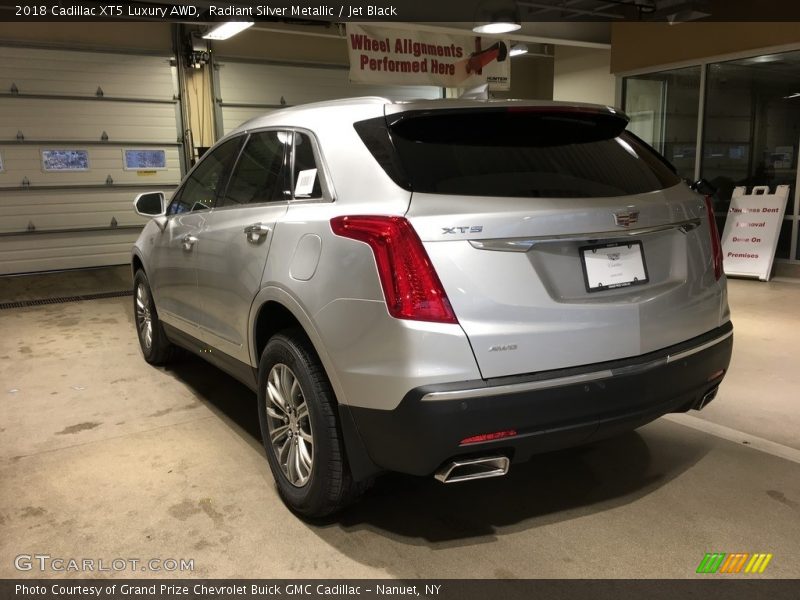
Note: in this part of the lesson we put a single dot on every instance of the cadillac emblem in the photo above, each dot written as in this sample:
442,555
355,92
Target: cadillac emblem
626,218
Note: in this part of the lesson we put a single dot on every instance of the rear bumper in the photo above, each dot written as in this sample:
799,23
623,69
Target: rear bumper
548,410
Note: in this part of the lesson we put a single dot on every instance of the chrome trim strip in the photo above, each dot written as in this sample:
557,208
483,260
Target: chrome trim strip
525,244
570,380
685,353
516,387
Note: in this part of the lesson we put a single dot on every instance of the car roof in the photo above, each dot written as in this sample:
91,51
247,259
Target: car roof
361,108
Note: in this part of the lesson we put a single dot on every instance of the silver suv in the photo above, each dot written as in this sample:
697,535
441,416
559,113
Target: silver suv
436,288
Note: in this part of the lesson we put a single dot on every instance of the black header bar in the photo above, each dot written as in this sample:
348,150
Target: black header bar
710,587
398,10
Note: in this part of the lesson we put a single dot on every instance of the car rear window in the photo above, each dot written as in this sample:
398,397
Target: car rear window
526,152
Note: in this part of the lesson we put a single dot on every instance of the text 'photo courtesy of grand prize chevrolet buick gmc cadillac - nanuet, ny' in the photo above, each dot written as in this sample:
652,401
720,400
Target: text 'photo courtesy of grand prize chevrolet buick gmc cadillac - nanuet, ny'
437,287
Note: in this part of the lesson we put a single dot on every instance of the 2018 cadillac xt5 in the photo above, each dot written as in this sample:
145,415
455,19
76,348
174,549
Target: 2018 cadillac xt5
436,287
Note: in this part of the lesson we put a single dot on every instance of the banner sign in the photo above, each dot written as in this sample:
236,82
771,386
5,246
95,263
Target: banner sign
382,55
751,232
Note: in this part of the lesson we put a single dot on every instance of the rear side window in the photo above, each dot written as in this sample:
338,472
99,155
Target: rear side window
516,153
305,176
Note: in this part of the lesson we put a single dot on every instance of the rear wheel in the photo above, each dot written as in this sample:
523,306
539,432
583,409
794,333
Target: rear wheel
156,348
300,430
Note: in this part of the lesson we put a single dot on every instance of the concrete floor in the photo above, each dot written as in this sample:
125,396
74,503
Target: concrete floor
103,457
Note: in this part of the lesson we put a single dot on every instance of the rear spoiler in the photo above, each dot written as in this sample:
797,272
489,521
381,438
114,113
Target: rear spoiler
508,124
429,109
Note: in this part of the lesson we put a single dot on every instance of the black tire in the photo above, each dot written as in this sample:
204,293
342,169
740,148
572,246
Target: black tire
157,350
329,485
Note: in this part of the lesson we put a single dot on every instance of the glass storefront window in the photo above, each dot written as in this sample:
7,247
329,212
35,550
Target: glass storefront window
797,252
752,128
663,110
784,240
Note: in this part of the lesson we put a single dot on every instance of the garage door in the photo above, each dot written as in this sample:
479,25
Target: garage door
81,133
247,90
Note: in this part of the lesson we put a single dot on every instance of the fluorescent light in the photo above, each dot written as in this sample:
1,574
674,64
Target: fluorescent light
223,31
682,16
518,49
497,27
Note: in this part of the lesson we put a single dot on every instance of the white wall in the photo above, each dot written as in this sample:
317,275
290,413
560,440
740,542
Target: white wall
531,78
583,75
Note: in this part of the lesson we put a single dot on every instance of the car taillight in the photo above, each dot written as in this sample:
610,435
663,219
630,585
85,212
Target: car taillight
410,284
716,245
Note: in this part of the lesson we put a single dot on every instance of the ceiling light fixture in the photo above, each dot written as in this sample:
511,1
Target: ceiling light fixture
223,31
496,27
686,15
518,49
496,16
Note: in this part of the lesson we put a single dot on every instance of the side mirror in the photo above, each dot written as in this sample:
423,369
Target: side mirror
701,186
150,204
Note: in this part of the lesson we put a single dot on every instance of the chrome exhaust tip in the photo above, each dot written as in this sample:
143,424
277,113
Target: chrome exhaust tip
707,398
468,469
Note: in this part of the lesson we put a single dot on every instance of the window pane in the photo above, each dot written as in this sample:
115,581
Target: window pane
201,188
785,240
797,252
259,173
663,111
518,153
752,125
306,173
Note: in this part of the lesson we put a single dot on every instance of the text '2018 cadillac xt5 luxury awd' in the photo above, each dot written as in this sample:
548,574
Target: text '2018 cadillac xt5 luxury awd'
436,288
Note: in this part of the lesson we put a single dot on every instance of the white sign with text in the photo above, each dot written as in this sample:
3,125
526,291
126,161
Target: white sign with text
751,232
382,55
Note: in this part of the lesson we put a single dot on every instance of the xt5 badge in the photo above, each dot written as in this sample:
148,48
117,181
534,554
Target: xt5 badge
465,229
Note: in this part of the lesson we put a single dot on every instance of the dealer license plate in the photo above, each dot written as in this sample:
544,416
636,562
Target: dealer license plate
610,266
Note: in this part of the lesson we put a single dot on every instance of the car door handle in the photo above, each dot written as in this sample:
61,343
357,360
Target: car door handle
188,242
255,231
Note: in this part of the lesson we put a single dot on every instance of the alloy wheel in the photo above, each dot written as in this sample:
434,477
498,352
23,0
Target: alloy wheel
289,426
144,318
